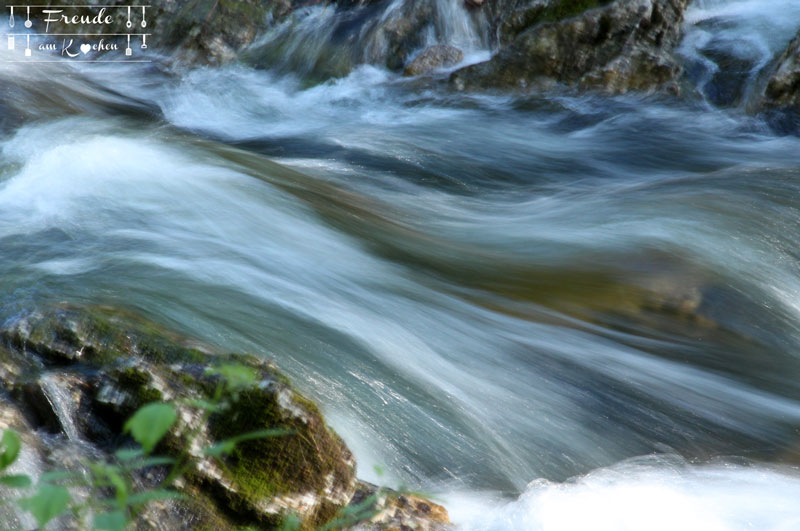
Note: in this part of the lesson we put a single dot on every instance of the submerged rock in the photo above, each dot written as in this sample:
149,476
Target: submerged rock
618,46
437,56
82,373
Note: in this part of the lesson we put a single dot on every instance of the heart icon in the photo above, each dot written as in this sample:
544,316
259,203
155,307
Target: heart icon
85,48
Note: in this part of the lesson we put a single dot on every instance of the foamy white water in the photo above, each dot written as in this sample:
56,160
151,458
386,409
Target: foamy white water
748,33
653,494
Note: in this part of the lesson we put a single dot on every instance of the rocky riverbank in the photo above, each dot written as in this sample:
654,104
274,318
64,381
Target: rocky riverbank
71,377
783,86
614,46
617,46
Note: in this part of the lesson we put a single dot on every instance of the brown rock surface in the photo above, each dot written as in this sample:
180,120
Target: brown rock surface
437,56
619,46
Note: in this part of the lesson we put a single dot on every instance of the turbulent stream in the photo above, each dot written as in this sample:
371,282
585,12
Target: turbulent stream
552,312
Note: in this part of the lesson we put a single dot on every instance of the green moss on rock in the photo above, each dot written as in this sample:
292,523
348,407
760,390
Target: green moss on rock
557,10
139,383
131,362
281,465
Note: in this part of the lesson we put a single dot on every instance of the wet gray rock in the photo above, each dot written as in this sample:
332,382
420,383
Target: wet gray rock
329,43
392,38
616,47
783,85
432,58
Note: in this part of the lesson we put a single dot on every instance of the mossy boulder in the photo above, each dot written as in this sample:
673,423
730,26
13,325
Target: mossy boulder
614,46
81,373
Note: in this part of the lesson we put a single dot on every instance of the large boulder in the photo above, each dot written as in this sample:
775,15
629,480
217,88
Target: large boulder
79,374
618,46
69,378
783,86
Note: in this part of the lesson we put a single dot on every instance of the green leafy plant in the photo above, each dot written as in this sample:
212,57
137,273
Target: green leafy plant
110,498
113,500
48,502
150,423
10,447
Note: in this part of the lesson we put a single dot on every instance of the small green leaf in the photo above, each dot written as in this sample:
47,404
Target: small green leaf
220,449
120,488
236,376
17,481
48,502
151,495
262,434
126,454
148,462
362,511
99,473
150,423
354,513
11,444
205,404
114,521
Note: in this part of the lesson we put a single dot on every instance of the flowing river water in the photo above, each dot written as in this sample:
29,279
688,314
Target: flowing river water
555,311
